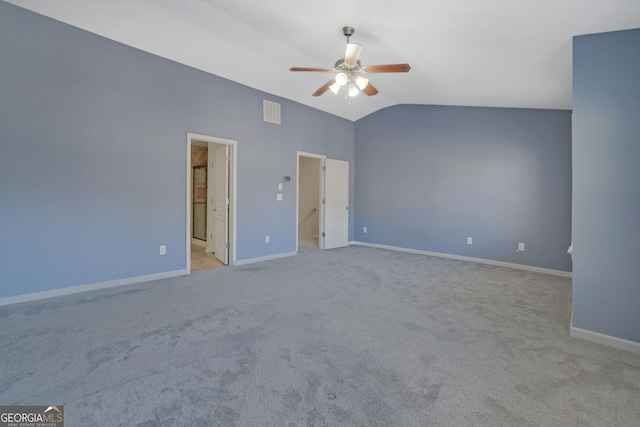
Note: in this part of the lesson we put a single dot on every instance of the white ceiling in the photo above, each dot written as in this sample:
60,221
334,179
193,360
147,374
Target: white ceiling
498,53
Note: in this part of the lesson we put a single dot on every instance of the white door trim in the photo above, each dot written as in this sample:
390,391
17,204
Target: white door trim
234,192
321,206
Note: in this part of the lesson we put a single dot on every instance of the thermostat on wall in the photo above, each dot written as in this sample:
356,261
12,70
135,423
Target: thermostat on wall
287,179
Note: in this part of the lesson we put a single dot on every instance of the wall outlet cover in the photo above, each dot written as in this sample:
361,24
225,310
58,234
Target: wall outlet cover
469,240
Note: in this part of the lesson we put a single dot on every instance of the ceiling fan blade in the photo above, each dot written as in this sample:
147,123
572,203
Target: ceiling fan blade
387,68
324,88
320,70
352,54
370,90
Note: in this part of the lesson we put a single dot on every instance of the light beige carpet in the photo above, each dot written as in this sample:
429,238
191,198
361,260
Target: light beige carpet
346,337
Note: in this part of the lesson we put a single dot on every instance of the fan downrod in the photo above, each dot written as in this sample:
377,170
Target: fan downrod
348,32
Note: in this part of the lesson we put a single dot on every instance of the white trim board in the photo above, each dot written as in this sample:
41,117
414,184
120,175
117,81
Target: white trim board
90,287
466,258
607,340
265,258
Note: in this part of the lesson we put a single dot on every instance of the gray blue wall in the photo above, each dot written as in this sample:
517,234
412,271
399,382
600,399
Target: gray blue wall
606,183
93,168
428,177
93,156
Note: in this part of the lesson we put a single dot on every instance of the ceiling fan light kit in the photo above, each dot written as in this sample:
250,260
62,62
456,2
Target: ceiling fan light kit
361,82
353,90
341,79
349,71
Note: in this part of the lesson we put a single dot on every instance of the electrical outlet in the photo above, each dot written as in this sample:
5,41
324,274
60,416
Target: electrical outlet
521,247
163,249
279,197
469,240
266,238
364,230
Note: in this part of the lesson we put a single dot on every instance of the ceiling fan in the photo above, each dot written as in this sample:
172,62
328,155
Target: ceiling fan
349,71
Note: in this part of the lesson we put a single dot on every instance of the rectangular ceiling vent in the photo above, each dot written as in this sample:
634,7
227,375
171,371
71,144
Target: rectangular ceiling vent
271,112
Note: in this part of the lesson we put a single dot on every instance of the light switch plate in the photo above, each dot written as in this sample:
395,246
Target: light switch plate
280,186
279,197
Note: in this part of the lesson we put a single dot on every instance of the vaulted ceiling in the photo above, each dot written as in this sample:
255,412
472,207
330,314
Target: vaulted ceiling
498,53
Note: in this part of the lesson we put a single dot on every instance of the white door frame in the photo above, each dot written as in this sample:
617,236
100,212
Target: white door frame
321,195
234,192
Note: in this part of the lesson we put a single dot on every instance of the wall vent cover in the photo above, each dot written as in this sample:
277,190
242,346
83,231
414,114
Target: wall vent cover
271,111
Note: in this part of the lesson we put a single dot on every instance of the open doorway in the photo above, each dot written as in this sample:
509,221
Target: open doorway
202,184
323,202
211,194
309,200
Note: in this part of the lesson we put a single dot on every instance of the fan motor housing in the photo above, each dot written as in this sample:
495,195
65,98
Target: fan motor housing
340,65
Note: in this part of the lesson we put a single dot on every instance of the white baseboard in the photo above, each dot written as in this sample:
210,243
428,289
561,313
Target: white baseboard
607,340
90,287
466,258
264,258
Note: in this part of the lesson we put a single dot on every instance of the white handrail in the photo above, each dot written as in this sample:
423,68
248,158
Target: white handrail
309,215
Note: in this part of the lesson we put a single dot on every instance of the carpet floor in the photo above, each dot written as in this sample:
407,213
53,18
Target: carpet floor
347,337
